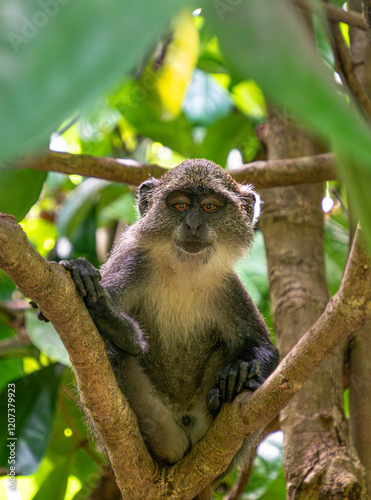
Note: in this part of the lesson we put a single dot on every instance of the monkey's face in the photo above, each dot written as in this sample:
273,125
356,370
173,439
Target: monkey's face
198,210
196,215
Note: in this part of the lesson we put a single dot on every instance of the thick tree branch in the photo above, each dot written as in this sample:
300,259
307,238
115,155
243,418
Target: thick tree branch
50,286
136,473
261,174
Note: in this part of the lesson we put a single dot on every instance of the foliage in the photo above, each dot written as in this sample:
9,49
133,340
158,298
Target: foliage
133,102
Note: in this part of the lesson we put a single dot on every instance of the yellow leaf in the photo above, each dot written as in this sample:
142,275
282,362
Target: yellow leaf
180,60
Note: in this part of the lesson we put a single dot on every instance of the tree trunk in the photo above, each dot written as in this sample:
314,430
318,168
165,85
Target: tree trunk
360,347
320,461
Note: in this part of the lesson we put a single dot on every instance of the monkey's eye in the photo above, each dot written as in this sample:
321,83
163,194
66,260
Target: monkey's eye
209,207
180,206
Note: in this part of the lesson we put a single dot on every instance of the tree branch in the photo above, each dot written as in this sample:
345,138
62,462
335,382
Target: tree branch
337,14
345,67
111,169
302,170
50,286
261,174
137,475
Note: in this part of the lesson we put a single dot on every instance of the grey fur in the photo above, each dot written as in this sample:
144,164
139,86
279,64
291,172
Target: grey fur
182,309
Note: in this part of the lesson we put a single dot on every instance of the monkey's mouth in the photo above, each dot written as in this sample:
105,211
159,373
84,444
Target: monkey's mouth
193,246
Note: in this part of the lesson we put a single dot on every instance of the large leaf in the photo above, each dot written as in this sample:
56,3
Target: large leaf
60,55
266,40
55,484
233,131
19,190
136,103
35,397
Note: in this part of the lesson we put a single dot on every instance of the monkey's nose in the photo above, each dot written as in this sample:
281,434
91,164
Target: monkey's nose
193,221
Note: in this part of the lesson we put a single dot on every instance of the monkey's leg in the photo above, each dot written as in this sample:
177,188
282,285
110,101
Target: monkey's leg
159,425
114,326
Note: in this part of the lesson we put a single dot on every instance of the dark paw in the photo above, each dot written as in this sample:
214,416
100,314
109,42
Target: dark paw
234,378
85,276
214,401
39,314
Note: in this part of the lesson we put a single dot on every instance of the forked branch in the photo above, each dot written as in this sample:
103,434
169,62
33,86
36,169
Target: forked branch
137,475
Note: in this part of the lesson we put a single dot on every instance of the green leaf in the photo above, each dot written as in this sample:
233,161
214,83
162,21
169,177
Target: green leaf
55,484
137,106
35,398
268,41
206,101
19,190
78,205
59,56
230,132
46,339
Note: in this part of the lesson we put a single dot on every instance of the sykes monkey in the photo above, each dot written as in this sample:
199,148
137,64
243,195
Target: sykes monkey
183,336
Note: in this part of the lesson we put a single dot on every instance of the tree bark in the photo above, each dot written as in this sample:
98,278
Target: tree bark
320,461
360,345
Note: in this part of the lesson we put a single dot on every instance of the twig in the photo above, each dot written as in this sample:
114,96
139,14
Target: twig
345,67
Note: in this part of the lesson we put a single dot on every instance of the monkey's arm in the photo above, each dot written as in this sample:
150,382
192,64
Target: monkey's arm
117,327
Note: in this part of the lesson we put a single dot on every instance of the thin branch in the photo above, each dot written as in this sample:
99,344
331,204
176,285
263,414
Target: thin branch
261,174
302,170
337,14
111,169
346,70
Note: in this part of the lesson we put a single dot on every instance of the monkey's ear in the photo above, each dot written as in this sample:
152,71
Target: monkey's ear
250,202
145,193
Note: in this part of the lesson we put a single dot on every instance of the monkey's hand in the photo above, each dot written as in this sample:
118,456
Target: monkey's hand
85,276
234,378
113,325
86,279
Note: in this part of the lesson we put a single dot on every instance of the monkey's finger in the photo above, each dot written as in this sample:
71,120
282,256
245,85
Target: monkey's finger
214,401
231,385
66,264
243,373
33,304
90,287
222,385
97,286
79,283
254,369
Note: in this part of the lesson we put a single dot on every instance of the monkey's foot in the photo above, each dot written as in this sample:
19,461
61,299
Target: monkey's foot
85,276
234,378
